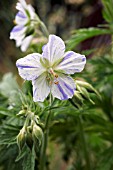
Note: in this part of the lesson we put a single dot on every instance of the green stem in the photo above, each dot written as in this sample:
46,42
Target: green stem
45,139
84,144
112,47
44,29
42,25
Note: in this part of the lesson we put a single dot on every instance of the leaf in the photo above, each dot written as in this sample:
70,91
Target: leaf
106,161
22,154
29,160
108,10
83,34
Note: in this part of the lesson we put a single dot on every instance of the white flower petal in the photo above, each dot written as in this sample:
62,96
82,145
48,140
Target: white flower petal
26,42
21,6
23,3
54,49
72,63
40,88
17,32
21,18
64,88
31,11
19,40
30,67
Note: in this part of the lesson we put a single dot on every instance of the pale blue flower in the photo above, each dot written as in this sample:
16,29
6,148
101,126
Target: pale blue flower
22,33
50,71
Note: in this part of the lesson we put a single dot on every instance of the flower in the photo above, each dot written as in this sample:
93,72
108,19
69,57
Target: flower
22,33
50,71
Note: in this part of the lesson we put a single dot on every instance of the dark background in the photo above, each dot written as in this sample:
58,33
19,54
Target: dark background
60,16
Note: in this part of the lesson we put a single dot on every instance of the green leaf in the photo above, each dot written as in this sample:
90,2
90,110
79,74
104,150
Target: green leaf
22,154
106,161
29,160
108,10
83,34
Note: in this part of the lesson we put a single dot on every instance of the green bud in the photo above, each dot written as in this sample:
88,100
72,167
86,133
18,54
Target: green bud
21,113
77,99
29,140
88,86
37,133
78,96
21,138
84,93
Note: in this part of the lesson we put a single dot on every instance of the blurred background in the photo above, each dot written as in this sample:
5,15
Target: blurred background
60,17
63,17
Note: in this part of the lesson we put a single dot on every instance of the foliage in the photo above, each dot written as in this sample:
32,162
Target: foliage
80,128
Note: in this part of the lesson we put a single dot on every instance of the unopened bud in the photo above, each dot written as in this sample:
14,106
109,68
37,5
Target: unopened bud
29,140
77,99
84,93
21,138
37,133
88,86
78,95
21,113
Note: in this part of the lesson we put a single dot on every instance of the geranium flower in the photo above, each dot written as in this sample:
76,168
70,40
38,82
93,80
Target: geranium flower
22,33
50,71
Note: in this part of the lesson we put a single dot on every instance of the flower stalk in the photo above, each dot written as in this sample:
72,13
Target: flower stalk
45,139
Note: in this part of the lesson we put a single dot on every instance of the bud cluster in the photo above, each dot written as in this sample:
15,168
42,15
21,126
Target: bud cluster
83,92
31,133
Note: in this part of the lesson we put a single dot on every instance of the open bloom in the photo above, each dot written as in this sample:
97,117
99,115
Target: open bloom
50,71
22,33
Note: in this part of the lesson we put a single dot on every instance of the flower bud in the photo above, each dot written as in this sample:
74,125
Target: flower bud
77,99
21,113
88,86
78,96
84,93
37,133
29,140
21,138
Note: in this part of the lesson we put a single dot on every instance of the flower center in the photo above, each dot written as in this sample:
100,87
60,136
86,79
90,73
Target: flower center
52,77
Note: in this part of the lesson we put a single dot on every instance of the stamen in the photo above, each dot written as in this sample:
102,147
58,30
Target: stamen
53,73
14,21
52,77
47,78
56,82
56,75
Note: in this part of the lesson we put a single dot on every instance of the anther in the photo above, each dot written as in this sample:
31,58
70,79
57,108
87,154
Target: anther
14,21
56,82
56,75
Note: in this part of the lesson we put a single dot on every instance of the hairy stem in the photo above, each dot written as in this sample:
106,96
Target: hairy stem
44,29
45,139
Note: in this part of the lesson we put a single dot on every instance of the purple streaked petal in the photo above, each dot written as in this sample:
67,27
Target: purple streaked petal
18,33
69,88
84,59
30,67
72,63
17,29
22,67
64,89
54,49
69,54
64,95
21,15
